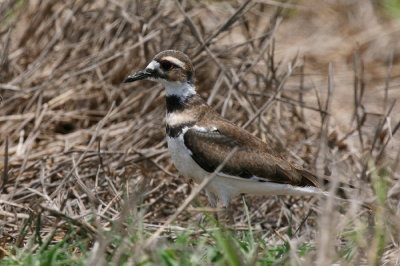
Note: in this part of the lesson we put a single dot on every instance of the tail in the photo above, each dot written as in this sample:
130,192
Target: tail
340,189
323,183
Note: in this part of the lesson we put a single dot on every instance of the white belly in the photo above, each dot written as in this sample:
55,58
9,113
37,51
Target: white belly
183,161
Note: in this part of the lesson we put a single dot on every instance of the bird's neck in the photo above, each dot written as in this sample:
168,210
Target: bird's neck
184,109
178,95
179,89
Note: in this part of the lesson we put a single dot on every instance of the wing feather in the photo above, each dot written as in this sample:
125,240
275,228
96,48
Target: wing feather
253,159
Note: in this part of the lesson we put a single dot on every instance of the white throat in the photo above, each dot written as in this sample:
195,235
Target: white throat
182,90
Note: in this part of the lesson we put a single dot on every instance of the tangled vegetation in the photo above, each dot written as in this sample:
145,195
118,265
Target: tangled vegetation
86,177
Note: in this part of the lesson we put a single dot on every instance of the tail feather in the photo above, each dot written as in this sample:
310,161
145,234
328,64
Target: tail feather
325,184
340,187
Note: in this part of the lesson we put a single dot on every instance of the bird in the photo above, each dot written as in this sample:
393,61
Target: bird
199,140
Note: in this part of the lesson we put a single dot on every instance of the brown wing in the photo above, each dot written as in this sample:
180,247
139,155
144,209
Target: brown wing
252,160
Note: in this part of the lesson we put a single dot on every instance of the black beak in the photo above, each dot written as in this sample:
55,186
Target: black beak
144,74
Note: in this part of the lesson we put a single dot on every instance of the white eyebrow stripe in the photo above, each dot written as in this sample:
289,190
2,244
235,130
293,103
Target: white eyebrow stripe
174,60
153,65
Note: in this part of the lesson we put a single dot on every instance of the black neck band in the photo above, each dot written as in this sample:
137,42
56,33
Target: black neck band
176,103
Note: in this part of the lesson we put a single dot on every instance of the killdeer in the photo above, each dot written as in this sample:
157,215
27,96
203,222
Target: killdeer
199,140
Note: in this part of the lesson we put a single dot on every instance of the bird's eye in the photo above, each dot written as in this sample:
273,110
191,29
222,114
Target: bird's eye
165,65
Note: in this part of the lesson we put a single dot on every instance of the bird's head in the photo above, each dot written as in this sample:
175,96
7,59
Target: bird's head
171,68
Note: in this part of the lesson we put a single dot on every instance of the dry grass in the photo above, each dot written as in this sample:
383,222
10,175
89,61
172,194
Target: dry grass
318,79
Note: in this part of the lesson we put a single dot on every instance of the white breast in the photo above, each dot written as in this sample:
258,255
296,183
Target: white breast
182,158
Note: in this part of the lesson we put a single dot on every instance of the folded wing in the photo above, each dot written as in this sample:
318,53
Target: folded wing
253,159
